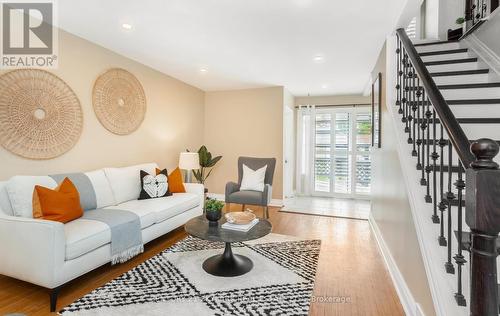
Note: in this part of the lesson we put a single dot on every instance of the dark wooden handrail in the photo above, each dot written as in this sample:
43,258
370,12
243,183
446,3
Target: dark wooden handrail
455,132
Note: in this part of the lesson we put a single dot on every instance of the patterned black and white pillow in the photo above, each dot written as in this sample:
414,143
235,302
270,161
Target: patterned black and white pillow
154,186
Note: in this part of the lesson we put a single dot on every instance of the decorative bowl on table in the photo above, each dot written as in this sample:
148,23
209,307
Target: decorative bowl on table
240,218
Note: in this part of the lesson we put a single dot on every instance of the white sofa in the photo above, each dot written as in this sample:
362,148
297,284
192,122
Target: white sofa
50,254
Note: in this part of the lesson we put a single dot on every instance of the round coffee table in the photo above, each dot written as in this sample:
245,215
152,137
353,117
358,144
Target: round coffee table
226,264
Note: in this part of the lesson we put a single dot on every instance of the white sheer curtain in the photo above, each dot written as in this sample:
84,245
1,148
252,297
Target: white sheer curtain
305,139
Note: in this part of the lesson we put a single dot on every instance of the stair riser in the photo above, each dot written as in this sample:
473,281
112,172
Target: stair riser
438,47
453,67
445,57
481,93
476,78
476,110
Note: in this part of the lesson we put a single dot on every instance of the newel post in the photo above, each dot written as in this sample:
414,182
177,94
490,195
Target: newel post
468,14
483,217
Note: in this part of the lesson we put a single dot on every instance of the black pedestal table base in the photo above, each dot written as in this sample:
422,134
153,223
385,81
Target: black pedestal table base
227,264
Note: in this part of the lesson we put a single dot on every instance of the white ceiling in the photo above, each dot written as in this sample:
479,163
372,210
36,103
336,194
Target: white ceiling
243,43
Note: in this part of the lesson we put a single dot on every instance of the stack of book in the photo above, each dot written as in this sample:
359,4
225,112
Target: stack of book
240,227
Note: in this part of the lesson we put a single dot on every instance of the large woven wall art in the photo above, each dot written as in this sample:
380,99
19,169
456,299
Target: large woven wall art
119,101
40,115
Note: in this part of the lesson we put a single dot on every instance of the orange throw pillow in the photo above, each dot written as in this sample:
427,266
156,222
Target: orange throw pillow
175,181
61,204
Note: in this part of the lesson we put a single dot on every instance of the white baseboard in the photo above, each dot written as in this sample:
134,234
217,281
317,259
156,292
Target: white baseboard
410,306
221,197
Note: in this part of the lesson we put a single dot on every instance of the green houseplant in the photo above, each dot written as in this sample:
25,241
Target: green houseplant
207,162
213,209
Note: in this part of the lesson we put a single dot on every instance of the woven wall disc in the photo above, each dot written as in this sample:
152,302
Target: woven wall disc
40,116
119,101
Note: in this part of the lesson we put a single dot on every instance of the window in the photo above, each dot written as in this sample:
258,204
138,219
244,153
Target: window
342,164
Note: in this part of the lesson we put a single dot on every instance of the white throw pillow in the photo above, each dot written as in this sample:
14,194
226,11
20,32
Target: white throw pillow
253,180
126,182
20,191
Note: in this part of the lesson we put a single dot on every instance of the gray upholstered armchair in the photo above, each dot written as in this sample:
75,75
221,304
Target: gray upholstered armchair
233,193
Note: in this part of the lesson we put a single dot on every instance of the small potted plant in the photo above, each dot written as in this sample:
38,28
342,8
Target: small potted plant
213,210
457,33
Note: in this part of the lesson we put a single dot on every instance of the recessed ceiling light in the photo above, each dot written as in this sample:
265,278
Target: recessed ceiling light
318,58
127,26
203,69
324,86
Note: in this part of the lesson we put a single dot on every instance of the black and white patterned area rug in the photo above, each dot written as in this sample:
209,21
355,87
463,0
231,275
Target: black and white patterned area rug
174,282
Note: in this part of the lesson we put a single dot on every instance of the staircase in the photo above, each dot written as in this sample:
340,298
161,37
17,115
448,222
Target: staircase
448,104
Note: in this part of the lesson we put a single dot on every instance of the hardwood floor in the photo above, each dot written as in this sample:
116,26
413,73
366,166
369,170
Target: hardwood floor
350,269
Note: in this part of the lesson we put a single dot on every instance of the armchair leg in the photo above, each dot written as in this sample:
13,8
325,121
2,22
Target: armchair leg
242,207
53,298
266,212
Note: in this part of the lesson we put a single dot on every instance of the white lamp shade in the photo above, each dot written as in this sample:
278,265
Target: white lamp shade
189,161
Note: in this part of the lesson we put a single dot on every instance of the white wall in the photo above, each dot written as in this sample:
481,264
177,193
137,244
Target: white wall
173,121
441,16
245,122
489,33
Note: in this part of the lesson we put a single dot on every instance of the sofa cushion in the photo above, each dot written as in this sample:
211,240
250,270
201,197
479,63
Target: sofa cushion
84,235
146,215
20,191
125,182
5,206
103,192
175,205
162,208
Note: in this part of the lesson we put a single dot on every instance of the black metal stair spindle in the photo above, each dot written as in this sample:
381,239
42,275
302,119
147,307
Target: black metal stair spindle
450,196
414,110
410,103
428,167
442,203
434,156
403,85
459,258
405,90
419,139
423,127
398,75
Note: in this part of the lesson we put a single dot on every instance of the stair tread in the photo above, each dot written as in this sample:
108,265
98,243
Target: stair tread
464,86
451,61
470,120
460,72
460,102
443,52
434,43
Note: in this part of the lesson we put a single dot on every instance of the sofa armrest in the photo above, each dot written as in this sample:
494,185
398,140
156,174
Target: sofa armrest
198,189
231,187
267,194
32,250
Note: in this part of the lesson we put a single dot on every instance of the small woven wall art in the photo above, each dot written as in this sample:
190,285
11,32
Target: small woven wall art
119,101
40,115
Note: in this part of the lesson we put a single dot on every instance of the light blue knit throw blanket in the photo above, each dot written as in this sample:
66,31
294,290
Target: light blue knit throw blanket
126,235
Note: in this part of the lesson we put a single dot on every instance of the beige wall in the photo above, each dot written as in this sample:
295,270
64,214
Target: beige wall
333,100
391,210
173,122
244,123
